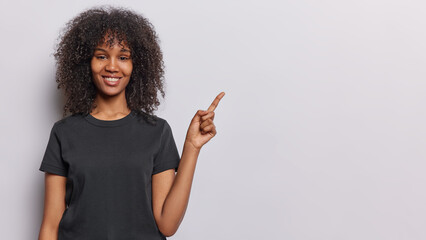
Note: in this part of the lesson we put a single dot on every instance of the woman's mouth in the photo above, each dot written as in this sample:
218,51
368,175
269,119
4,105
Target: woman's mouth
111,81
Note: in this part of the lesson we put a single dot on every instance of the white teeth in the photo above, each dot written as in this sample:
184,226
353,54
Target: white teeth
112,79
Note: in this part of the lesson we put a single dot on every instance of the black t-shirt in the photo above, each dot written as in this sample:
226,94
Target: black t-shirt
109,165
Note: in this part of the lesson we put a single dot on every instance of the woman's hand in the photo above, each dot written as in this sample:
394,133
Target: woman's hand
202,128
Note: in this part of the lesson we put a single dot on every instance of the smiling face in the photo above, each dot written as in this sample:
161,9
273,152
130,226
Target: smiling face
111,68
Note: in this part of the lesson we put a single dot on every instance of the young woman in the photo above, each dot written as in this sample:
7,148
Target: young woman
110,166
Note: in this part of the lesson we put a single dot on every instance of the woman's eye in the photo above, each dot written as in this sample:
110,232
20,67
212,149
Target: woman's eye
121,58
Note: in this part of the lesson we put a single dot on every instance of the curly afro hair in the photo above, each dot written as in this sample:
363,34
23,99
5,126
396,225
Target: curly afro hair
75,50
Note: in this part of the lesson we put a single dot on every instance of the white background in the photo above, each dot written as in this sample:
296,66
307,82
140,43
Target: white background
321,133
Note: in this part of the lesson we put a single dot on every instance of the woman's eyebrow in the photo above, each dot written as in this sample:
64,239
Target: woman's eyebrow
103,50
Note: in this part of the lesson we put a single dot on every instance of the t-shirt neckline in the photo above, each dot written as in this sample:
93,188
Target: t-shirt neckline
110,123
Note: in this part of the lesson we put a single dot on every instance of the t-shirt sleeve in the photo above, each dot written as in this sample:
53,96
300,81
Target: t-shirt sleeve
52,160
168,156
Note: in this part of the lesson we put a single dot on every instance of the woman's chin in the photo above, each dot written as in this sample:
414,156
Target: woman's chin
111,92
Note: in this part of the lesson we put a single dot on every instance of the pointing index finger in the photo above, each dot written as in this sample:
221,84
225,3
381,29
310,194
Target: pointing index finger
215,102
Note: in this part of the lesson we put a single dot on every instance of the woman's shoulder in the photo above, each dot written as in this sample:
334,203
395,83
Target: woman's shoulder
150,119
69,121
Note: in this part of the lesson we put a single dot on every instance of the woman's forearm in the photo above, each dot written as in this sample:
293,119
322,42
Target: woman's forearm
177,200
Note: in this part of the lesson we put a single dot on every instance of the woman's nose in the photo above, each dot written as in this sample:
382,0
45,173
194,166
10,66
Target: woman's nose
111,66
